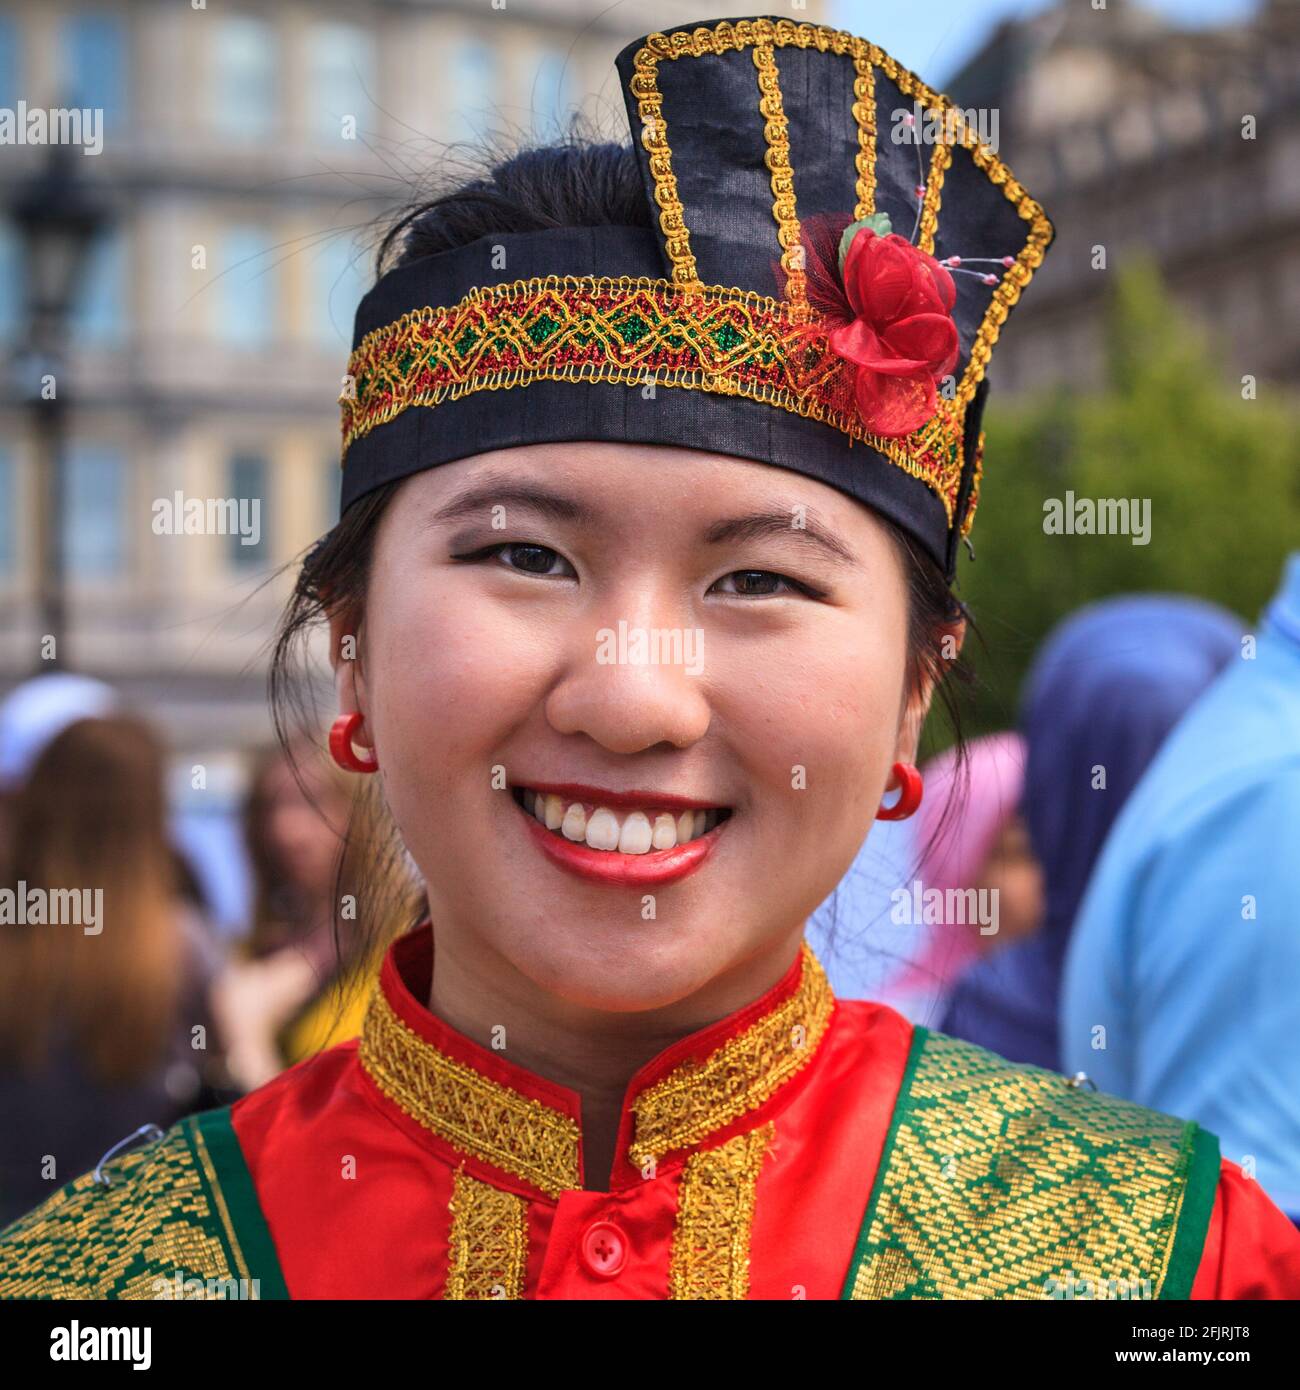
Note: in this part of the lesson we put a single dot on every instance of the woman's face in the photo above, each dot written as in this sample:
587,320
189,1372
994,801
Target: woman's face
1013,871
630,629
304,834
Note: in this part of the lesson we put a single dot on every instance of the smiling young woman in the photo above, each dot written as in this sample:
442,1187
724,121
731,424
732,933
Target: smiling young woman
640,595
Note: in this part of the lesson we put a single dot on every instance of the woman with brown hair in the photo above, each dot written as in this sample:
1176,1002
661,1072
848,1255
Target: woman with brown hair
103,964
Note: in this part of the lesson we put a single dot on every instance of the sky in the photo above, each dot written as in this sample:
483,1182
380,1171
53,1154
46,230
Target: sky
935,37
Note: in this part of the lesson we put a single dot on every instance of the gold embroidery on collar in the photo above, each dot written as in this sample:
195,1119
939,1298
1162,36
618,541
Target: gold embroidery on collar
715,1213
489,1242
479,1116
697,1098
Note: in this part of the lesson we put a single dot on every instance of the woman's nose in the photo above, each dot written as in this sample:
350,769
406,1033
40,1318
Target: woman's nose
630,685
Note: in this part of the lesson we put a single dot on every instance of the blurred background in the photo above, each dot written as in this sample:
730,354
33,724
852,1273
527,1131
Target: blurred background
175,317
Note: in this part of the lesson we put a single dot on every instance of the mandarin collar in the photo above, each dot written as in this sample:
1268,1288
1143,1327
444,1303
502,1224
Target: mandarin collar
714,1083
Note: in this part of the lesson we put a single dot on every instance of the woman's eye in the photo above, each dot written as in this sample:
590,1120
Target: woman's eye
757,584
534,559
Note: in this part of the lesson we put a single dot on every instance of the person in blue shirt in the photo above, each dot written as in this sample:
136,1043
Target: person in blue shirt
1105,689
1182,983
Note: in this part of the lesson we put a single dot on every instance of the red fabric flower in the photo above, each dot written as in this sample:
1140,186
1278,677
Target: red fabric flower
890,320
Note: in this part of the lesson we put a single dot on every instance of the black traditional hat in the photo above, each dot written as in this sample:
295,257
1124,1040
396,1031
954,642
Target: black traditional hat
787,319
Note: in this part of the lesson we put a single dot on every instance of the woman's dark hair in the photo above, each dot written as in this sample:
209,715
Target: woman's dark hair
576,183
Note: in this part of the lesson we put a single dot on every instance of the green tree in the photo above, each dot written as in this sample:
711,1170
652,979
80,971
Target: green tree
1221,474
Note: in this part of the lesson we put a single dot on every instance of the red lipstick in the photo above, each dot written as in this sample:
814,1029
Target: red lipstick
653,869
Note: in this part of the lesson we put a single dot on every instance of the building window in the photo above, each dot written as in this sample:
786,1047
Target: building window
11,287
474,86
10,61
245,287
244,91
340,79
95,65
93,530
246,543
551,95
8,513
99,313
340,276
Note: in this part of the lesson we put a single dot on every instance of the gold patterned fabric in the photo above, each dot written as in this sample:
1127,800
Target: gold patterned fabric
631,331
575,328
178,1219
467,1108
697,1099
489,1241
532,1140
715,1215
1005,1181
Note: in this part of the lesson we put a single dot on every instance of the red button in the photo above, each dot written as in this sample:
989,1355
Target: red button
604,1249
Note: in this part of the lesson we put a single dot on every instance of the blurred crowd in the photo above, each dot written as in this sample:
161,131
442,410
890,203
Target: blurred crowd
1111,890
154,1010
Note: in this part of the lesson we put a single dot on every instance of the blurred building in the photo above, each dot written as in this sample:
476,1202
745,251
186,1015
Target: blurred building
1142,137
248,149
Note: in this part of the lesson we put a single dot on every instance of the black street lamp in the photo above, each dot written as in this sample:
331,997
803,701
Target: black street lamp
58,216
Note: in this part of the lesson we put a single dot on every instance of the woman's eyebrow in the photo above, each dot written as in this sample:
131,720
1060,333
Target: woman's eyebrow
479,500
757,525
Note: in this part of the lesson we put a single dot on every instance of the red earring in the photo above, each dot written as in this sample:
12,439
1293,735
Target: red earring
909,798
341,749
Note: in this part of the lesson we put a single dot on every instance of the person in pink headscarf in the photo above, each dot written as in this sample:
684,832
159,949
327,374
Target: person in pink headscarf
968,838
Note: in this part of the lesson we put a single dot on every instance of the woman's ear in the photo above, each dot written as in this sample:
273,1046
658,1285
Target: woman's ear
345,651
948,646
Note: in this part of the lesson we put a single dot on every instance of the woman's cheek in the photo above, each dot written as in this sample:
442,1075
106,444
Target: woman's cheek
429,675
820,736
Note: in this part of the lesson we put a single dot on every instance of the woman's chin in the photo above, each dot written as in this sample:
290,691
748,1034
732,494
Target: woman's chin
613,967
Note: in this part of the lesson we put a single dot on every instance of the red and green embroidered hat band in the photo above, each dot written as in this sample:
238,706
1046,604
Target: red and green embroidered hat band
774,310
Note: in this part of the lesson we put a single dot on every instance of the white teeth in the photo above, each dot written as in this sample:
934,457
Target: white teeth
638,832
635,836
665,832
574,824
602,828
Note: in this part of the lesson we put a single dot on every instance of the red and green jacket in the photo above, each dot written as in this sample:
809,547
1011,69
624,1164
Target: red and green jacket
804,1147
